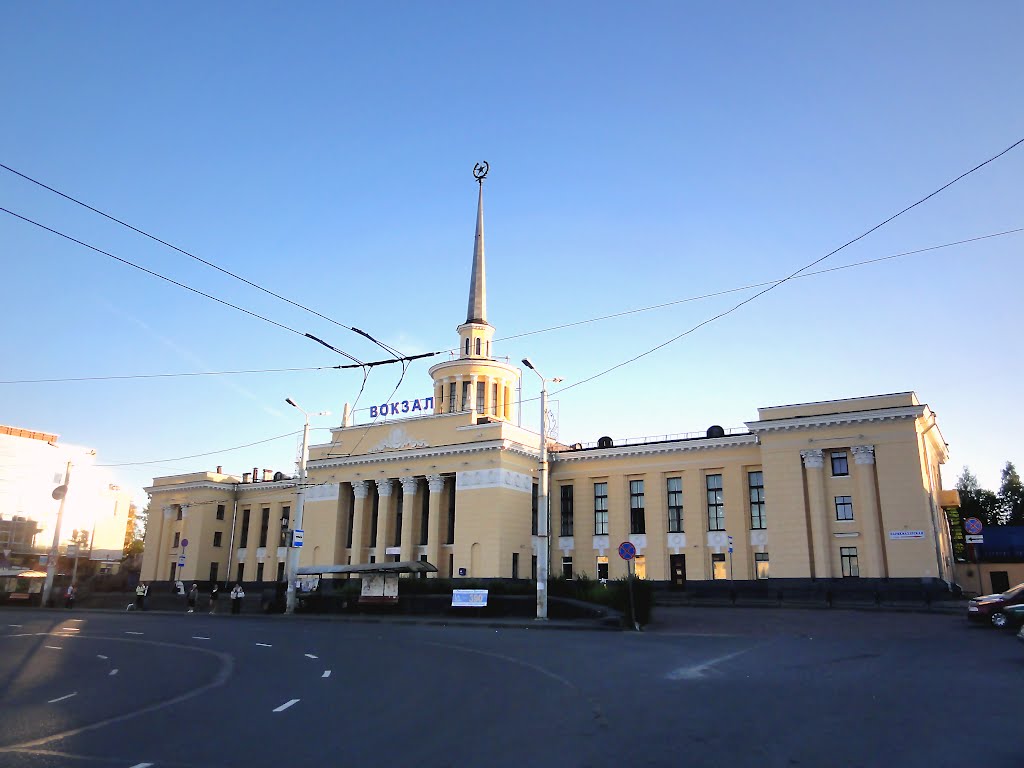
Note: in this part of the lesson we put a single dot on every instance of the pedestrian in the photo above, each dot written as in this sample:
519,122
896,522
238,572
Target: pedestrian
140,596
69,596
214,593
236,598
193,596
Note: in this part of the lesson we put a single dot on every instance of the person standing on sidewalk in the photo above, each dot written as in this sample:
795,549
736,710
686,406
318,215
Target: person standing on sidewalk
193,596
214,594
236,598
69,596
140,596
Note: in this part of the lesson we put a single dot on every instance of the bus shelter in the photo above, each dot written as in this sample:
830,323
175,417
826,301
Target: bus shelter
379,580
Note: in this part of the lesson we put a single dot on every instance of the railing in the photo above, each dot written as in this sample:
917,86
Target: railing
619,442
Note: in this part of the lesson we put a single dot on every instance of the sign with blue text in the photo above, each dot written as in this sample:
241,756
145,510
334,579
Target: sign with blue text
297,536
469,598
420,405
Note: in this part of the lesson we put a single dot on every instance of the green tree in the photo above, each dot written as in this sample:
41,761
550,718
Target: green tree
135,547
976,501
1011,496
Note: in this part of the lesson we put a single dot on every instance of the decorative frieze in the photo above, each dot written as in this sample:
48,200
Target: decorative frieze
493,478
322,492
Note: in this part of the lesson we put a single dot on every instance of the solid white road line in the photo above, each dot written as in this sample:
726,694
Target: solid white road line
287,704
14,625
100,656
135,633
54,647
142,765
76,619
311,656
112,672
264,645
61,698
327,673
199,637
70,629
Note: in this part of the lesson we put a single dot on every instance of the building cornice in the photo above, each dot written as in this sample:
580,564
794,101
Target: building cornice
425,453
837,419
649,449
232,487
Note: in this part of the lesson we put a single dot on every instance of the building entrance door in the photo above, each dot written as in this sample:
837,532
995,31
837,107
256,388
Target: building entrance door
677,564
1000,581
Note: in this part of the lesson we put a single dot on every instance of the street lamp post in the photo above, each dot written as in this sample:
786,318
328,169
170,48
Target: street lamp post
60,492
293,552
543,534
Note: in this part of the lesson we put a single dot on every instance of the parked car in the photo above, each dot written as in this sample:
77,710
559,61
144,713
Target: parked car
1014,615
992,608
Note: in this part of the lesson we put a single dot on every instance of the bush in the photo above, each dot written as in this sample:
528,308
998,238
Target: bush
614,594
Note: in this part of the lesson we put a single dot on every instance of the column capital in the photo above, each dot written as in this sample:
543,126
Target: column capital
863,454
168,510
814,458
436,483
384,486
360,488
408,485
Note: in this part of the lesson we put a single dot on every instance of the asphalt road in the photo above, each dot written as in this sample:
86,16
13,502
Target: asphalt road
730,687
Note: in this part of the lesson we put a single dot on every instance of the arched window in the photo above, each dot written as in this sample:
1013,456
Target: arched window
478,346
467,345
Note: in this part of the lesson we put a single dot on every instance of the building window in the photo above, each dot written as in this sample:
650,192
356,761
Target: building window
566,566
675,504
761,565
424,518
602,568
280,571
467,346
640,566
840,464
351,515
451,566
244,539
241,572
718,567
494,400
637,523
481,389
716,503
179,512
534,509
844,508
565,508
450,482
214,567
173,568
264,525
533,568
177,539
477,346
399,509
216,538
755,481
600,509
515,565
220,511
259,571
451,397
286,515
851,569
465,395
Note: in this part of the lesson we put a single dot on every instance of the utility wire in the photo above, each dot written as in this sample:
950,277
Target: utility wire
791,276
180,285
201,260
208,453
637,310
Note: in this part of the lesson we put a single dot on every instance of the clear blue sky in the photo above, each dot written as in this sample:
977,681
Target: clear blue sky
640,153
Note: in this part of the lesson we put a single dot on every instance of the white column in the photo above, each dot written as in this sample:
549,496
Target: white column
409,516
360,520
435,485
868,512
384,517
814,462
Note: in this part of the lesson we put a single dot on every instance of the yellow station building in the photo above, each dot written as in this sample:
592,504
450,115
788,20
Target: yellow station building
842,488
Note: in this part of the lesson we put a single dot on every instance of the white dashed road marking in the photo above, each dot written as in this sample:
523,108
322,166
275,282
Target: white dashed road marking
14,625
53,647
100,656
311,656
142,765
199,637
287,704
61,698
327,673
697,670
70,629
264,645
135,633
112,672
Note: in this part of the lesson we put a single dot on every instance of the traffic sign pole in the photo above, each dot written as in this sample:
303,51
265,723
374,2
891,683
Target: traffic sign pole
627,551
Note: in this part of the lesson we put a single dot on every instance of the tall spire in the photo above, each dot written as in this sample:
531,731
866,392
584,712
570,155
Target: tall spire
477,312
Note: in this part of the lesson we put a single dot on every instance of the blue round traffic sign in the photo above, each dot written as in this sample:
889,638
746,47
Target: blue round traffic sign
627,551
184,543
972,525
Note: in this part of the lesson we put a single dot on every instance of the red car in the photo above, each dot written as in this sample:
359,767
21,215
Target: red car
990,607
